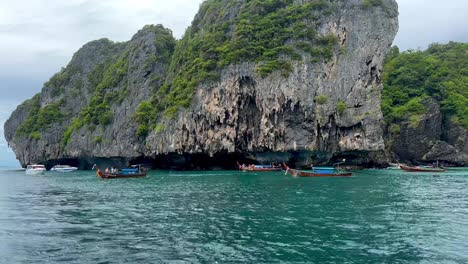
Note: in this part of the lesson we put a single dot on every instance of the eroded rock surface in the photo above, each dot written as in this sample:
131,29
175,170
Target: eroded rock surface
242,115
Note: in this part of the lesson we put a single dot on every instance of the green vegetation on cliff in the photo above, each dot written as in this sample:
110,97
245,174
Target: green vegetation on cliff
371,3
39,118
108,83
57,83
107,75
440,72
270,33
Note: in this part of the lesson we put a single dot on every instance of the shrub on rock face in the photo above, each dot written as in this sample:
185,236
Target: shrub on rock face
341,107
372,3
98,139
35,135
142,131
394,129
321,99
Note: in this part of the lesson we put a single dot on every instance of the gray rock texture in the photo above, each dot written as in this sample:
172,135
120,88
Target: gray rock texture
431,139
242,115
117,141
247,113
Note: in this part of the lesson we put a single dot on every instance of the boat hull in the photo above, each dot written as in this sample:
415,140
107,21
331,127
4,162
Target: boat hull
419,169
35,172
299,173
104,175
260,170
64,170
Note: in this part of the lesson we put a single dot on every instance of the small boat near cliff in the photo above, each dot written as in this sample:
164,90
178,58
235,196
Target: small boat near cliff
259,168
63,168
35,169
421,169
133,172
393,166
317,172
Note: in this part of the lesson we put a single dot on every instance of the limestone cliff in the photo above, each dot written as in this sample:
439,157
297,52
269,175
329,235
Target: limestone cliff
258,80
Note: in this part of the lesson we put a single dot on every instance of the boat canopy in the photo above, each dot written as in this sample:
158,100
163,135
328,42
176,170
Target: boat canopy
129,170
324,169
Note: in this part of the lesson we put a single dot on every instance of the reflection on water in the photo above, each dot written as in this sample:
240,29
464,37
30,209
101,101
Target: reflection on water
232,217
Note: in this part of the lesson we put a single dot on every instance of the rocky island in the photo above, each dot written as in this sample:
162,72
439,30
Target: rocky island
251,80
425,104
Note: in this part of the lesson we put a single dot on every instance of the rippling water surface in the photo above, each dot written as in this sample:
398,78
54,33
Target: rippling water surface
234,217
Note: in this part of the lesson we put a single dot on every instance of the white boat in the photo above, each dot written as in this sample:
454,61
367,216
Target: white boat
35,169
63,168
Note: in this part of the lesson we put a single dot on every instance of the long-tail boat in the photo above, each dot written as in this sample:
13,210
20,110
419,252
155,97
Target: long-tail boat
421,169
317,172
259,168
133,172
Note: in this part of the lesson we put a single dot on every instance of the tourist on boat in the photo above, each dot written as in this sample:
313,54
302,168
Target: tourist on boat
107,170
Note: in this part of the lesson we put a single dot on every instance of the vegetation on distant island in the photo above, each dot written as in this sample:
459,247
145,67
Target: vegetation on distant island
271,33
440,72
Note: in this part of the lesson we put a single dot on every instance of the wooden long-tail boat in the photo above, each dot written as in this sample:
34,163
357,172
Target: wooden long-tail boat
259,168
121,174
420,169
318,173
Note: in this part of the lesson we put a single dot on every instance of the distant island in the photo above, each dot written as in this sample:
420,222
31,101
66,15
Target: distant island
257,81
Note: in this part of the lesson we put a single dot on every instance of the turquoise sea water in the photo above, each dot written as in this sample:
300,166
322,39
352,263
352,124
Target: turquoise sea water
233,217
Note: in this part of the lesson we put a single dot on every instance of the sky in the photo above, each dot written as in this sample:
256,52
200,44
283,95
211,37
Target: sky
39,37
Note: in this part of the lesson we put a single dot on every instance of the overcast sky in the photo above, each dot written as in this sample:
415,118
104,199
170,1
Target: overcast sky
38,37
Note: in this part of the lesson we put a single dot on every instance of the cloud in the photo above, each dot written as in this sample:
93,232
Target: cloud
423,22
39,39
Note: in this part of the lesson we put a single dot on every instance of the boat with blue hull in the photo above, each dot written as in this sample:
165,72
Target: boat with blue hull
134,172
318,172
